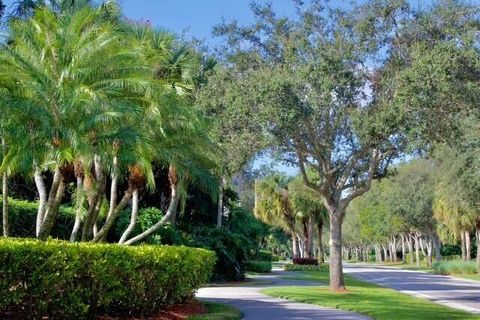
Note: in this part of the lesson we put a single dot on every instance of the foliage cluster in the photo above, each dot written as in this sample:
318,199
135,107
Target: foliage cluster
83,280
455,267
258,266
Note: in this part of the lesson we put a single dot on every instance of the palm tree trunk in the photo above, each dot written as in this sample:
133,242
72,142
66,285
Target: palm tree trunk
462,244
295,246
95,200
220,202
174,198
42,195
133,217
468,247
5,205
310,237
102,233
78,210
477,229
417,250
320,254
52,211
410,248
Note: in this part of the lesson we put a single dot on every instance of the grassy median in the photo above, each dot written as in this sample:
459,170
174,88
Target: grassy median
368,299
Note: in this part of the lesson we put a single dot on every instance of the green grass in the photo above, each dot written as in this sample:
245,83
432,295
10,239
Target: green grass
475,276
367,299
217,311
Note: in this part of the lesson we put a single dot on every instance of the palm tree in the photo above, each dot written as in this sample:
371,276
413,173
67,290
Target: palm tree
273,206
311,212
75,78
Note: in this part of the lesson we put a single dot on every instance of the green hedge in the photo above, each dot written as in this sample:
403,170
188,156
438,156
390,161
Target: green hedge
60,280
263,255
23,214
455,267
304,267
259,266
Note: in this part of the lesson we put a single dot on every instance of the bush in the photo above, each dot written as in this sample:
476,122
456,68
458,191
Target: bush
259,266
57,279
264,255
304,267
455,267
23,214
305,261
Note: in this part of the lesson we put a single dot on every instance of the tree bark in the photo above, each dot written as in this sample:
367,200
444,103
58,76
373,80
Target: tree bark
220,202
337,282
462,244
5,223
95,200
385,253
133,218
410,249
477,229
295,246
102,233
417,250
429,252
175,196
437,246
42,195
80,197
468,247
320,254
52,211
310,237
403,248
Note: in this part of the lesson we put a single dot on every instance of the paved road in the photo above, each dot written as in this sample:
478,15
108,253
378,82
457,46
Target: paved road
257,306
455,293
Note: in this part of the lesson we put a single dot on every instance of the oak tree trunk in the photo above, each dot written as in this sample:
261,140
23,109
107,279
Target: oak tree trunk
337,282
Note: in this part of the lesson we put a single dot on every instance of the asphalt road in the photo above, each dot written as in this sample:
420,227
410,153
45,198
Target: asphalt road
452,292
257,306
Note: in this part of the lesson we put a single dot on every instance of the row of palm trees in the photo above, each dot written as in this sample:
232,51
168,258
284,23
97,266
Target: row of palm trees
288,204
93,100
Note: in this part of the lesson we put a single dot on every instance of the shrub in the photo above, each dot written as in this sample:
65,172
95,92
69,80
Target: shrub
305,261
57,279
23,214
455,267
304,267
259,266
264,255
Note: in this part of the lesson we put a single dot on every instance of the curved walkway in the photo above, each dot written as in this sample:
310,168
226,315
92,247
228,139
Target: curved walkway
452,292
257,306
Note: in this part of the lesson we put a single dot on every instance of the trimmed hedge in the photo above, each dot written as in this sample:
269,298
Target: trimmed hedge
305,261
60,280
263,255
304,267
23,214
455,267
259,266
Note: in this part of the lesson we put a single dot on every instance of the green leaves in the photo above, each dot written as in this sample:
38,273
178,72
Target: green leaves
63,280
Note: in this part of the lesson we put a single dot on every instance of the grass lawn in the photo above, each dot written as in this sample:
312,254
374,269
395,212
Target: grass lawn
475,276
368,299
218,311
